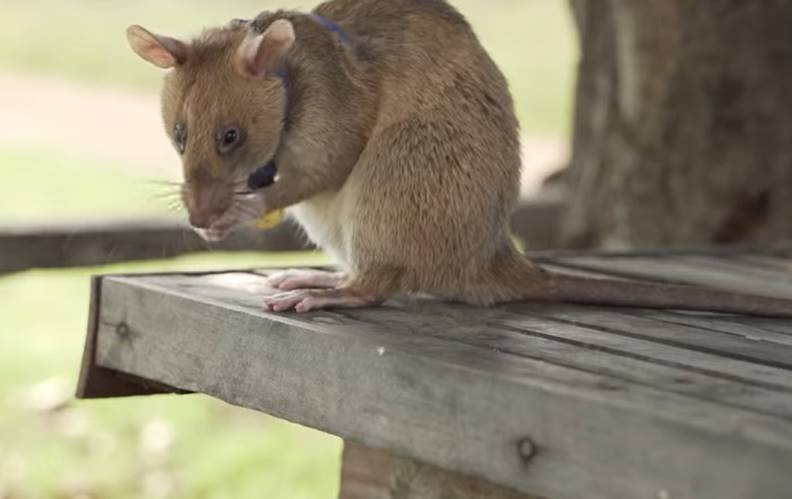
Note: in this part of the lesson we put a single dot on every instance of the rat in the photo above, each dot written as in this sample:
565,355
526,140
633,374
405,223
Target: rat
389,134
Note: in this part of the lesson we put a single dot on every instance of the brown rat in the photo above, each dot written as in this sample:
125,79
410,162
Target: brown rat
397,150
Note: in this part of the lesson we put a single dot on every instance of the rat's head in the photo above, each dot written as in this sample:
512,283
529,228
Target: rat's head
223,104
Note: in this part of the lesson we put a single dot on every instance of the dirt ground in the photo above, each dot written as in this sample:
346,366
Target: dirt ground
123,127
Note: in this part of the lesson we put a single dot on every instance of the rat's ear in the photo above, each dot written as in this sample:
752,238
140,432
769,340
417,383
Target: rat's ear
162,51
262,55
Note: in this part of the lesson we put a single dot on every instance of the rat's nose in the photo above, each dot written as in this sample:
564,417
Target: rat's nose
201,218
206,202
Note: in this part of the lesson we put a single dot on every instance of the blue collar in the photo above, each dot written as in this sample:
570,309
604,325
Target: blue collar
264,176
281,72
333,27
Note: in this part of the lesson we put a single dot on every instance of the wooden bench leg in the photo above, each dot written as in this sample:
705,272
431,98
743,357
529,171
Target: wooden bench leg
369,473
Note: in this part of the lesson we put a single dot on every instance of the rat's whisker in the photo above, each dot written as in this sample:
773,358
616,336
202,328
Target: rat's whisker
238,207
240,180
236,210
238,184
243,200
165,195
168,191
248,211
167,188
166,183
175,208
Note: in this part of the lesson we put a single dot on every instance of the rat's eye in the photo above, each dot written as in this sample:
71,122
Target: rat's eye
180,137
228,139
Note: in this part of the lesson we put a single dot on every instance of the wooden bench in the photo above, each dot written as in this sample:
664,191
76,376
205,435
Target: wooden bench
440,400
100,242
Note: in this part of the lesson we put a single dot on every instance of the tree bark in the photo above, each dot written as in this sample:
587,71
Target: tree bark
683,126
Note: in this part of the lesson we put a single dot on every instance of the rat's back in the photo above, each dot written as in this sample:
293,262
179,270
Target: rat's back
433,190
421,54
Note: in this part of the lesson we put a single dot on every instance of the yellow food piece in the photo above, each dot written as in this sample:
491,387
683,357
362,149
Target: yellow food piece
270,220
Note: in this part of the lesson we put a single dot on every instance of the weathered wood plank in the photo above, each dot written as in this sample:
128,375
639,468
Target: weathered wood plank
104,242
780,250
686,372
749,330
764,261
452,405
550,341
369,473
677,370
741,270
99,382
779,326
691,339
678,270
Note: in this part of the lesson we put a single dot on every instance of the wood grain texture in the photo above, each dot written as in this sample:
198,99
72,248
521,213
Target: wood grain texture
624,328
752,330
699,270
105,242
617,405
369,473
96,381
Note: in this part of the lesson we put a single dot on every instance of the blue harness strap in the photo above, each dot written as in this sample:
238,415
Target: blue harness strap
264,176
283,76
333,27
281,72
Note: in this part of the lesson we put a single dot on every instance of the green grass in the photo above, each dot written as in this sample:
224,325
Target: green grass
532,40
46,185
94,447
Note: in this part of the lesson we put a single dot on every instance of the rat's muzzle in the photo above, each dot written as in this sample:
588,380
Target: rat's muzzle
206,204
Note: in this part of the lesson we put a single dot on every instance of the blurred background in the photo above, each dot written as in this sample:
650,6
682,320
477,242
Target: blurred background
81,139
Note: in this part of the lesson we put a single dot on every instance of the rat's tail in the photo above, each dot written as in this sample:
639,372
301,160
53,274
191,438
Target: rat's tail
514,278
570,288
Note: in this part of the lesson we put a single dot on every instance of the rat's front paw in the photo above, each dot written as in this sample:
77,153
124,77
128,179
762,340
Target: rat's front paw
247,208
290,280
305,300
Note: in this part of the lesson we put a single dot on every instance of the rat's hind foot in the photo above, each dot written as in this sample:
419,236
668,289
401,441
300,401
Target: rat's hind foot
305,300
305,279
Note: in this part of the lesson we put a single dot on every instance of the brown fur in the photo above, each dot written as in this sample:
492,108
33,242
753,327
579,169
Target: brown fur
398,154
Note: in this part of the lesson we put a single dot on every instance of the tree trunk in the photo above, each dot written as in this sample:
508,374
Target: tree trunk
683,128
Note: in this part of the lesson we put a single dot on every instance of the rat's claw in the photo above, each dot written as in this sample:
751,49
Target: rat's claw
305,300
283,302
290,280
335,298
